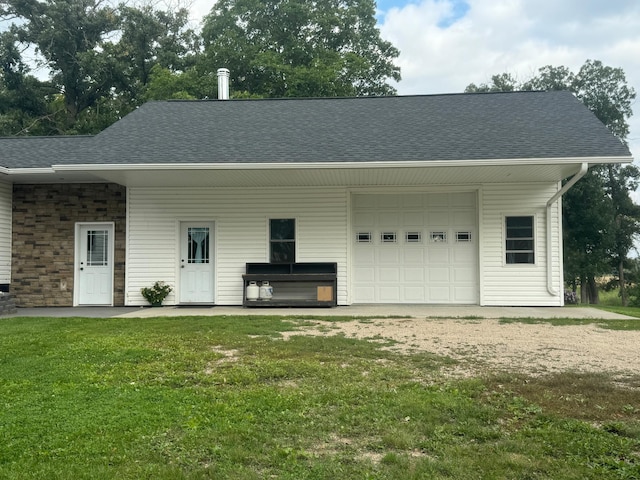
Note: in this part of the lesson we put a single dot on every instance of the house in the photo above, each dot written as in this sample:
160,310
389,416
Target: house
440,199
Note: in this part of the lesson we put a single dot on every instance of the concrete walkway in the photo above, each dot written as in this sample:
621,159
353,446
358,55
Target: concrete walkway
395,311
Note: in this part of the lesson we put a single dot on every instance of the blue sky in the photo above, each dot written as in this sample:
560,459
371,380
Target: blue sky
458,11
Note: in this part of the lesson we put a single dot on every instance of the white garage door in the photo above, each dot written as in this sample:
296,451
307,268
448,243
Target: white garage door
415,248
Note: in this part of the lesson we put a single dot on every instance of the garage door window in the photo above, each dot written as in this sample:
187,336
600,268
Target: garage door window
282,240
519,240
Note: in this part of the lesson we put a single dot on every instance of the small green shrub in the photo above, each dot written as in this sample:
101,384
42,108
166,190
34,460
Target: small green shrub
155,295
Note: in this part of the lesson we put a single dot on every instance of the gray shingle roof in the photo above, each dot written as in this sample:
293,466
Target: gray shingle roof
515,125
42,152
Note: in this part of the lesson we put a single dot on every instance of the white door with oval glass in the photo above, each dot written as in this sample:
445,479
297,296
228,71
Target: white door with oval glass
196,262
94,264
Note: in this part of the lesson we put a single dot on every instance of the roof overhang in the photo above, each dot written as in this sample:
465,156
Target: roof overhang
406,173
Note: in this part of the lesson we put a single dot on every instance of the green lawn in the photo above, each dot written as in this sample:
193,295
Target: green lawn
227,398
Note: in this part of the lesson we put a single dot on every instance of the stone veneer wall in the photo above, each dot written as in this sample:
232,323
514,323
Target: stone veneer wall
43,240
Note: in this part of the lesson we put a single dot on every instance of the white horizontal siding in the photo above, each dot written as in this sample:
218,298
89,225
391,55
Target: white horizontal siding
503,284
5,232
240,236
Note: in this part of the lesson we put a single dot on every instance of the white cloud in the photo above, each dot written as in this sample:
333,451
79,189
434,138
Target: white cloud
515,36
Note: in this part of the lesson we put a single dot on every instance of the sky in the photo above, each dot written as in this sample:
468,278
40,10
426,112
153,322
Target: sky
447,44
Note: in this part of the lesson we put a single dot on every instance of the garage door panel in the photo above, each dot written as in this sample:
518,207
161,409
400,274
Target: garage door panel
439,294
463,218
412,200
389,219
439,256
412,275
438,275
414,294
389,294
364,219
463,255
413,256
413,219
387,256
364,274
463,275
365,294
438,220
464,295
364,256
388,274
420,268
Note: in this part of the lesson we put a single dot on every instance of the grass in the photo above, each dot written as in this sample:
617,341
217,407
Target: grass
226,398
627,324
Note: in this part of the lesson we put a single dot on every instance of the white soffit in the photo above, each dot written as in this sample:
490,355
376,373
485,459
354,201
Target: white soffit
317,174
336,176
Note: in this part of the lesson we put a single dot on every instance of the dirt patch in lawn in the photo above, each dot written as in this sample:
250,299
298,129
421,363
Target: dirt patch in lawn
536,349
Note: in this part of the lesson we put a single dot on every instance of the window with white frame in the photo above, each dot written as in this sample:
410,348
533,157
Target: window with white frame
438,237
519,239
462,237
388,237
282,240
413,237
363,237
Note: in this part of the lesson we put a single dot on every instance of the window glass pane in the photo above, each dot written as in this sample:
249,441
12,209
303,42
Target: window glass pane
519,244
282,240
388,237
519,227
515,257
463,236
363,237
283,252
97,243
282,229
519,239
438,237
198,245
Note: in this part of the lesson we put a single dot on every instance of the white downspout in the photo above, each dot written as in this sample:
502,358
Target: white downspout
584,167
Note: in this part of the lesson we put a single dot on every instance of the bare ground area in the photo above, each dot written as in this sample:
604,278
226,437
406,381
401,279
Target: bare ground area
488,344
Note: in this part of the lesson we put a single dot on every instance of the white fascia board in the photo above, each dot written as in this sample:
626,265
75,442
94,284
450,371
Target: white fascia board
30,171
341,165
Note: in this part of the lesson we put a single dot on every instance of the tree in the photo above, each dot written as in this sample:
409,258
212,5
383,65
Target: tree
600,218
68,34
22,96
279,48
148,39
100,58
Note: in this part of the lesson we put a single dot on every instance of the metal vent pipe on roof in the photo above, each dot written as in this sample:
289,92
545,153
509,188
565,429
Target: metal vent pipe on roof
223,84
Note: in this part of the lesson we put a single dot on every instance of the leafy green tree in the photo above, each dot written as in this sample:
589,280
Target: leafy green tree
504,82
68,34
151,38
188,85
279,48
22,96
100,58
601,220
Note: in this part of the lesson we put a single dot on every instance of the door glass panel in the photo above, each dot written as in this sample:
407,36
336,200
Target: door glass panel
97,251
198,245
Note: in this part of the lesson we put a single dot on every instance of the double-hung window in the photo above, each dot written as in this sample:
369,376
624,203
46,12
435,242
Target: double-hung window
282,240
519,239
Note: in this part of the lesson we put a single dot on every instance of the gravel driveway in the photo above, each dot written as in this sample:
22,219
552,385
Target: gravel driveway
484,344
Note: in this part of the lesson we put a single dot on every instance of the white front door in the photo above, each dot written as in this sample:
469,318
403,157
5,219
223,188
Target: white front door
94,264
196,262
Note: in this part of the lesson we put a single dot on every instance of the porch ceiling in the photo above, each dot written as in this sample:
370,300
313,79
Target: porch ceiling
287,175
